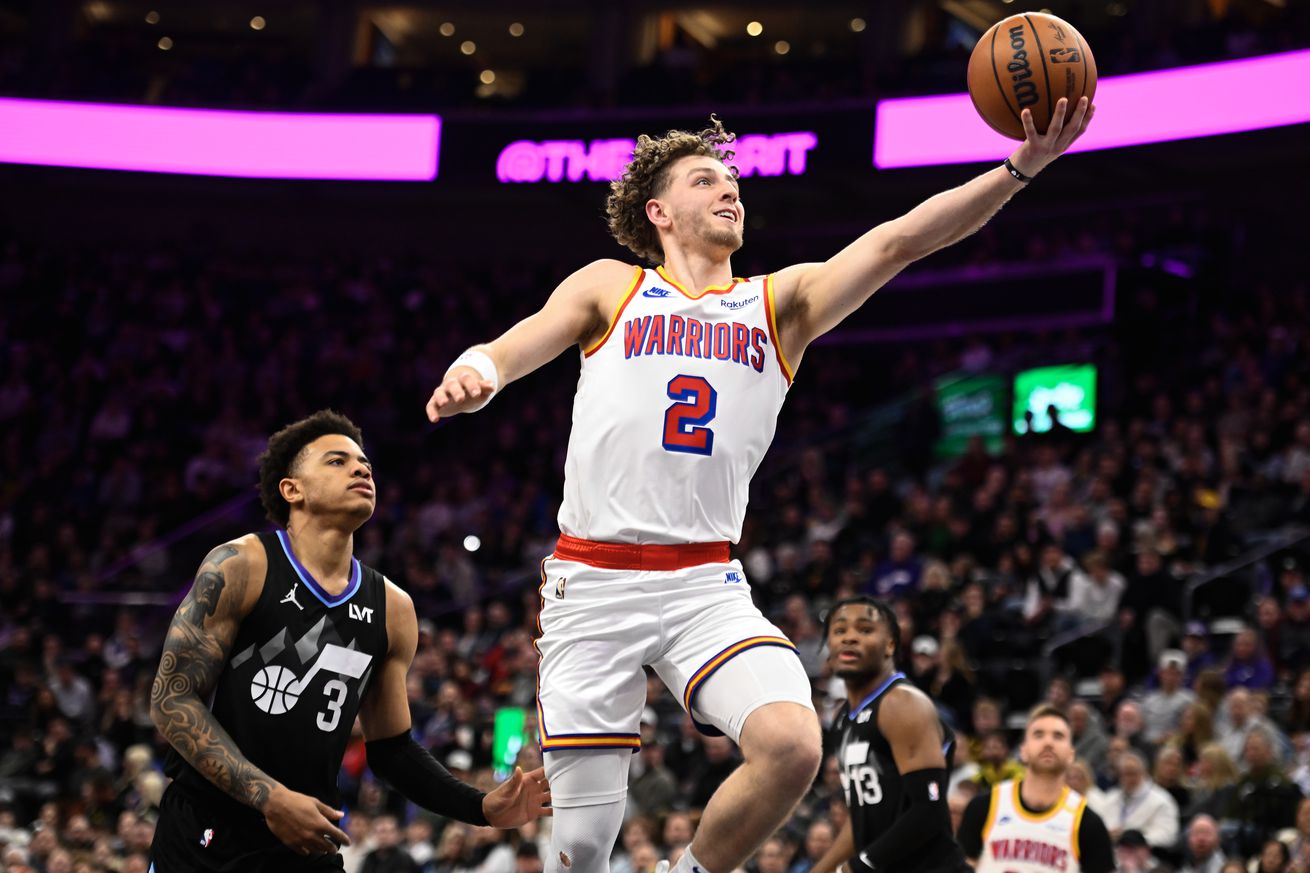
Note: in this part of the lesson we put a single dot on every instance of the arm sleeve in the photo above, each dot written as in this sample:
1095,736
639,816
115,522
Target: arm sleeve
413,771
1095,851
970,835
925,820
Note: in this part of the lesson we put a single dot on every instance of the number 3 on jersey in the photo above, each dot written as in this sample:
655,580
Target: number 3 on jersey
684,421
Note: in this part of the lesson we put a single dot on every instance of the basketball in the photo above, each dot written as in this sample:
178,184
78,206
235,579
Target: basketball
1029,61
274,690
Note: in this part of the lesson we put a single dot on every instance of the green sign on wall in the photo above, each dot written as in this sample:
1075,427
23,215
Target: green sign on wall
1070,388
970,405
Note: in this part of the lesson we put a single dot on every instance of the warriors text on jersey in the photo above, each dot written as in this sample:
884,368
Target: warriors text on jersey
675,408
1067,838
875,795
298,669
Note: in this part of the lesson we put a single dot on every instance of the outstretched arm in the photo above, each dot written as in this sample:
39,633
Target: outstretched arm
575,312
195,652
814,298
396,757
909,721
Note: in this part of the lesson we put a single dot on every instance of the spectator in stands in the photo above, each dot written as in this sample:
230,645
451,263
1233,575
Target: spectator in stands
1242,721
1095,594
953,684
1168,774
1048,592
1215,784
1149,612
898,576
1090,743
1133,853
388,855
653,788
1163,708
1265,799
1130,726
1294,633
1274,857
994,762
1248,666
637,831
1195,731
1079,777
1203,852
1138,804
1196,645
1299,848
819,838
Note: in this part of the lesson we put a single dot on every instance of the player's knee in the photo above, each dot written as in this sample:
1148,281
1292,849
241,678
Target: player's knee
786,737
583,837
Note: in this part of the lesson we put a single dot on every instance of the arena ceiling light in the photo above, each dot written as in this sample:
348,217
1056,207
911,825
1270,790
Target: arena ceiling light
1181,103
276,145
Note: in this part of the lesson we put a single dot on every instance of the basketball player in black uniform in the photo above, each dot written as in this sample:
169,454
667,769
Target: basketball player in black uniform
893,750
291,637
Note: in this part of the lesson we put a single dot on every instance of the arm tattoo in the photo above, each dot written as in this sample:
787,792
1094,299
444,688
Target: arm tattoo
194,657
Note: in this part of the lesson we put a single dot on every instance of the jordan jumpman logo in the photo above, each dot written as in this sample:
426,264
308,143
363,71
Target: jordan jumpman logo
291,597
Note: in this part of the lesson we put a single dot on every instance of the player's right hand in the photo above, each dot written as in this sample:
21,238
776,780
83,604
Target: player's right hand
306,824
462,389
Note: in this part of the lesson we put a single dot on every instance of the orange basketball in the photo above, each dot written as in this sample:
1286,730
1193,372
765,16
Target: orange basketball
1029,61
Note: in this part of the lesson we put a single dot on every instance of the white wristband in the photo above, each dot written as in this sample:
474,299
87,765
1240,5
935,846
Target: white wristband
486,368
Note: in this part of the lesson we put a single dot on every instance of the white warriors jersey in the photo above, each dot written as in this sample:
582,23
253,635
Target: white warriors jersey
1017,841
676,405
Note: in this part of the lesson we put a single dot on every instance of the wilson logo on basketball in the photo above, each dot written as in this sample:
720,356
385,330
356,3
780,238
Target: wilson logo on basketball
1021,72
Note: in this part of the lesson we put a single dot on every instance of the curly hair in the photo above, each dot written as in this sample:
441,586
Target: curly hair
284,447
647,176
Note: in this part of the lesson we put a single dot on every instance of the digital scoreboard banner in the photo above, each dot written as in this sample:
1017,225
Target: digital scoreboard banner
1069,389
566,151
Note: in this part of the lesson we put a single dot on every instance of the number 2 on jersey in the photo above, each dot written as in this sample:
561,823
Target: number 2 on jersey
684,421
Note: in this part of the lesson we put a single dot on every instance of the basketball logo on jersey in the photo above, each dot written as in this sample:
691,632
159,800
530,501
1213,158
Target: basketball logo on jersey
206,838
291,598
559,587
276,690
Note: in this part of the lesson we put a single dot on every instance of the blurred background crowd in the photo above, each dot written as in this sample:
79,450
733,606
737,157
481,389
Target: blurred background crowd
1148,576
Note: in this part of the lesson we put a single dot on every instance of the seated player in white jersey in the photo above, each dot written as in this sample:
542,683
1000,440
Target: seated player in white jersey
684,370
1037,824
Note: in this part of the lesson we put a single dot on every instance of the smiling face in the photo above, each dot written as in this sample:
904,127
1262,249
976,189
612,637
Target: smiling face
331,476
699,205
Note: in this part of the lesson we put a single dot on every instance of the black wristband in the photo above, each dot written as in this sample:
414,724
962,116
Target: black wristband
1013,171
412,769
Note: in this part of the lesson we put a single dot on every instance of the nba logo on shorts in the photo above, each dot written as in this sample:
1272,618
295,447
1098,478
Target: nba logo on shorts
559,587
206,838
933,793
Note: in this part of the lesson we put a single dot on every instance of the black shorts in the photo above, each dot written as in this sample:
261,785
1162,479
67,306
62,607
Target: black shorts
193,836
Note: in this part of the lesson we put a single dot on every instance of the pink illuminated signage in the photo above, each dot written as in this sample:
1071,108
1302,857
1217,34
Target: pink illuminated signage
220,143
1182,103
602,160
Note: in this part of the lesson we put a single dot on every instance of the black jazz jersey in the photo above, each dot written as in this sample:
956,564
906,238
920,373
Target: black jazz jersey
298,669
874,793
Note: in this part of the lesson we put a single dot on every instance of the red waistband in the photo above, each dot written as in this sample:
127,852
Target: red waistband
625,556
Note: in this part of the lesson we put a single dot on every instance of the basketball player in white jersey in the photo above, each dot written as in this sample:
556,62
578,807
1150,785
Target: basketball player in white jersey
1037,824
684,370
